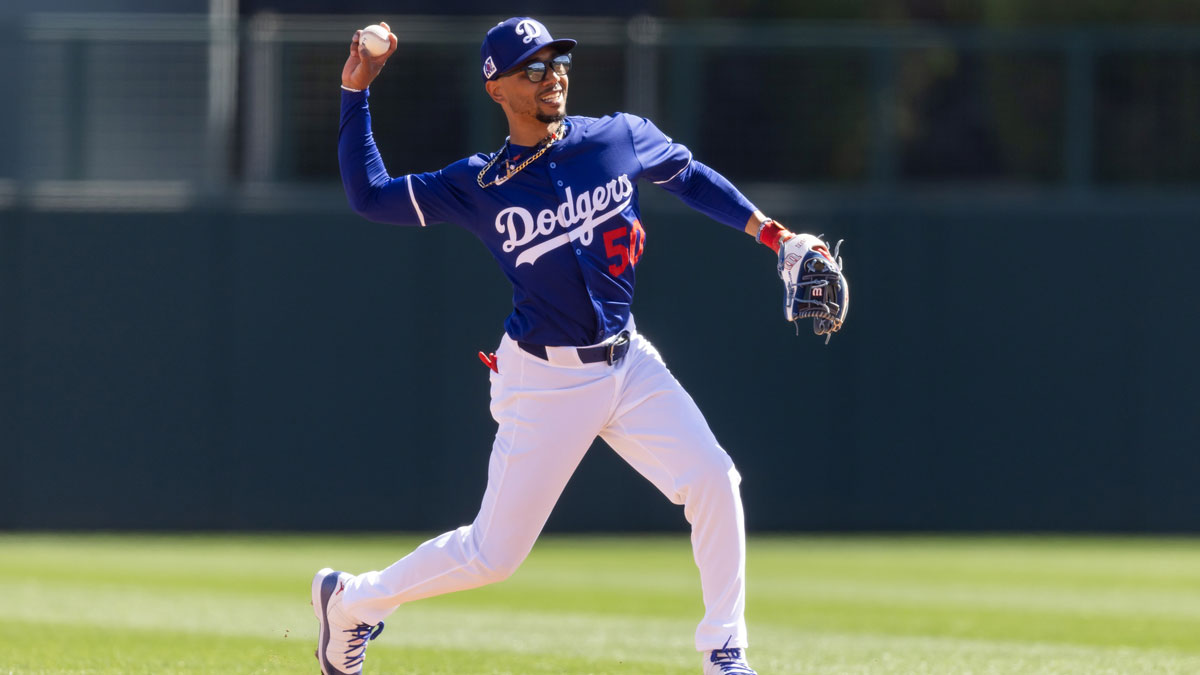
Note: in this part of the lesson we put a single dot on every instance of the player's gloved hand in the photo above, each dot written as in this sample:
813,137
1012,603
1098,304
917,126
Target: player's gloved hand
361,68
813,283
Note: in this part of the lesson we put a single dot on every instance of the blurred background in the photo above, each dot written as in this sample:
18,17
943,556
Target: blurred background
197,333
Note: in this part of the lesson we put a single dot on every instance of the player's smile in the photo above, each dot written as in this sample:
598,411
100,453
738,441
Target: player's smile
555,96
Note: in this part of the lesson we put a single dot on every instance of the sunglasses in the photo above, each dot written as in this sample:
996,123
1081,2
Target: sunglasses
536,70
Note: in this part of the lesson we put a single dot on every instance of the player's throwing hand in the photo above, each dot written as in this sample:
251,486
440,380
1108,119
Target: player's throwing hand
361,68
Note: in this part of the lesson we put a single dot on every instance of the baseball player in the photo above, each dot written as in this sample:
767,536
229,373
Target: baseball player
557,206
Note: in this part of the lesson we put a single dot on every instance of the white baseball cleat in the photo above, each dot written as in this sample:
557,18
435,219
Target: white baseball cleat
727,661
342,642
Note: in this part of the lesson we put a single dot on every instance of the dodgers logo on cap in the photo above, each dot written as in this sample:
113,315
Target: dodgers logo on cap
509,43
530,29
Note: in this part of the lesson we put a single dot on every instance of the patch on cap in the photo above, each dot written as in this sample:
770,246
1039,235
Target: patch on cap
489,68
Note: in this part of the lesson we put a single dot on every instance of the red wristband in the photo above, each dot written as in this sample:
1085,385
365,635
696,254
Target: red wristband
772,234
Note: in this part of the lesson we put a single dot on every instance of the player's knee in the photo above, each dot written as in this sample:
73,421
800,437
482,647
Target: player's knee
494,571
710,479
724,479
497,558
504,571
717,469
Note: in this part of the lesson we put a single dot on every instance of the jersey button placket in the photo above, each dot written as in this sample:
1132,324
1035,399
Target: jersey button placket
578,250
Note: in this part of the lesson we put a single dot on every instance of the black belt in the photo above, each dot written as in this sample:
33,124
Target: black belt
608,353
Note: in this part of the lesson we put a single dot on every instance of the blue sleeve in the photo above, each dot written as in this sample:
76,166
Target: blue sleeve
416,199
670,166
712,194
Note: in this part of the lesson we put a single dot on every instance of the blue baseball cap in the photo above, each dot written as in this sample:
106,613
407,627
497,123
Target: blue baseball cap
510,42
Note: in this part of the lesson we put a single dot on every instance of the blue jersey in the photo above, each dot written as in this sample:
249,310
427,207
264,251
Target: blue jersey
566,230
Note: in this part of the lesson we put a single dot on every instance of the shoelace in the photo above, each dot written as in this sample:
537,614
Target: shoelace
362,634
730,660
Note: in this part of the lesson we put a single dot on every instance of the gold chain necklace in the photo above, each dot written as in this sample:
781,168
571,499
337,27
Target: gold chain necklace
542,148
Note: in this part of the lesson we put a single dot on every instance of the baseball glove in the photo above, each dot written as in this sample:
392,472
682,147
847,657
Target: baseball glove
813,283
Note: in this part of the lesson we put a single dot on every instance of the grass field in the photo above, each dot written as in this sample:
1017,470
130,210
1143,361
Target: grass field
903,605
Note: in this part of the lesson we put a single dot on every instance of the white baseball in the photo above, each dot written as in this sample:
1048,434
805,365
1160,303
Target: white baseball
375,40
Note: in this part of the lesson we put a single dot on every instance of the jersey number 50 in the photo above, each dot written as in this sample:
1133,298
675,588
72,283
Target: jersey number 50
626,255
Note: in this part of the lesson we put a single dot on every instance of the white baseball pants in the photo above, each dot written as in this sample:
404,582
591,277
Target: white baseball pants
549,413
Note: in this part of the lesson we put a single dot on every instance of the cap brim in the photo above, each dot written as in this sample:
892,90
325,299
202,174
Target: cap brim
563,46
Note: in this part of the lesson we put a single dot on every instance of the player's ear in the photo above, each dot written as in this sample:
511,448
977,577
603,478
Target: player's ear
494,91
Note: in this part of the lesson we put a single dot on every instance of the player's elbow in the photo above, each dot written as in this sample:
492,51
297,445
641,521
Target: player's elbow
363,203
358,196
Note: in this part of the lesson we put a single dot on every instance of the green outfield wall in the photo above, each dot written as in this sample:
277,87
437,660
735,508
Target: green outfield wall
1020,362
